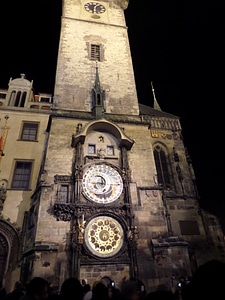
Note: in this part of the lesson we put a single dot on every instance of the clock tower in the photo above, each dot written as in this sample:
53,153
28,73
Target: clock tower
95,32
85,177
116,195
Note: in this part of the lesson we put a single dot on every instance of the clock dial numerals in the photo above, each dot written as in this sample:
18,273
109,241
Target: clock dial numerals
102,184
104,236
94,7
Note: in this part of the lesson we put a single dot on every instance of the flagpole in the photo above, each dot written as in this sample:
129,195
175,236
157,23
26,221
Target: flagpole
153,91
3,137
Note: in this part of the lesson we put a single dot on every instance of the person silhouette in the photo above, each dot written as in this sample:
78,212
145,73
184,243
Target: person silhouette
36,289
206,282
71,289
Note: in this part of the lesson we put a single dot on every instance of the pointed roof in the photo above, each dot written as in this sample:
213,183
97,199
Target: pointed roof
156,111
156,104
147,110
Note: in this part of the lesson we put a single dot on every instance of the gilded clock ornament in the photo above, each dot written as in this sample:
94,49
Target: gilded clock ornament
102,183
94,7
104,236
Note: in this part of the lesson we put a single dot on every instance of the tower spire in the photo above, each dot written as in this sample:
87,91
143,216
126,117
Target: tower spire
97,96
156,105
97,81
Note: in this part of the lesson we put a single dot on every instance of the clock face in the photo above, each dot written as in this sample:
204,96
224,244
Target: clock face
102,183
104,236
94,7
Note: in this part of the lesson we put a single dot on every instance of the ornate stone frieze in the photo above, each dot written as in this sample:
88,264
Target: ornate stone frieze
64,212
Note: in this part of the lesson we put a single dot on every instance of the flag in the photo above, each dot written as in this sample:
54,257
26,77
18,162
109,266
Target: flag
1,140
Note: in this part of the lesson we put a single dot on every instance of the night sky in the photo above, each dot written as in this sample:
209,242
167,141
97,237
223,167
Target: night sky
179,45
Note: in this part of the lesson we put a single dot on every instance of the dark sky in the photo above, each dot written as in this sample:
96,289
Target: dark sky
179,45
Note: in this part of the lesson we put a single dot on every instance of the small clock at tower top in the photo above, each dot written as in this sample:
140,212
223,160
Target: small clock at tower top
94,7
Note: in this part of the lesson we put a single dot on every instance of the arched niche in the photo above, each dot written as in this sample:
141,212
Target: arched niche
104,126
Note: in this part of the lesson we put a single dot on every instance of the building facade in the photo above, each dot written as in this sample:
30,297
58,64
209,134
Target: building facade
93,183
23,120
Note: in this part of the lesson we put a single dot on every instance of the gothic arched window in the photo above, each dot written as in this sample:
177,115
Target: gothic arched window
161,167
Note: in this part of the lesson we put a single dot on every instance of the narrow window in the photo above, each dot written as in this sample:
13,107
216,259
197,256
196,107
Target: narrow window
64,193
12,98
21,175
17,101
161,167
95,52
29,131
91,149
110,150
23,98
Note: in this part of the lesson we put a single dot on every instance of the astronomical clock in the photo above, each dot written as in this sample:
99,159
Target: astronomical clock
102,184
104,236
102,187
103,215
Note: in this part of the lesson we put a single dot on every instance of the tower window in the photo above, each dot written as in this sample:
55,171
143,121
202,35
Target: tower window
91,149
29,132
95,53
161,167
110,150
64,193
21,175
63,188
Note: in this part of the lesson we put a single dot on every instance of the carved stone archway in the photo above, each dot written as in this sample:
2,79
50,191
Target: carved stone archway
4,250
9,250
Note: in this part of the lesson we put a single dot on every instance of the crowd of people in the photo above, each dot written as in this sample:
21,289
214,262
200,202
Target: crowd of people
207,281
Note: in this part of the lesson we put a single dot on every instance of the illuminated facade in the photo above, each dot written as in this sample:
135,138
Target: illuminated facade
96,184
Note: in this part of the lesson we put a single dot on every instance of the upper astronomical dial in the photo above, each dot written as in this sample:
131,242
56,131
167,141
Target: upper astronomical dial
94,7
102,183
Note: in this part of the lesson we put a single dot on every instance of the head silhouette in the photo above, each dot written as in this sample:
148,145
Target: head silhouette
72,289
